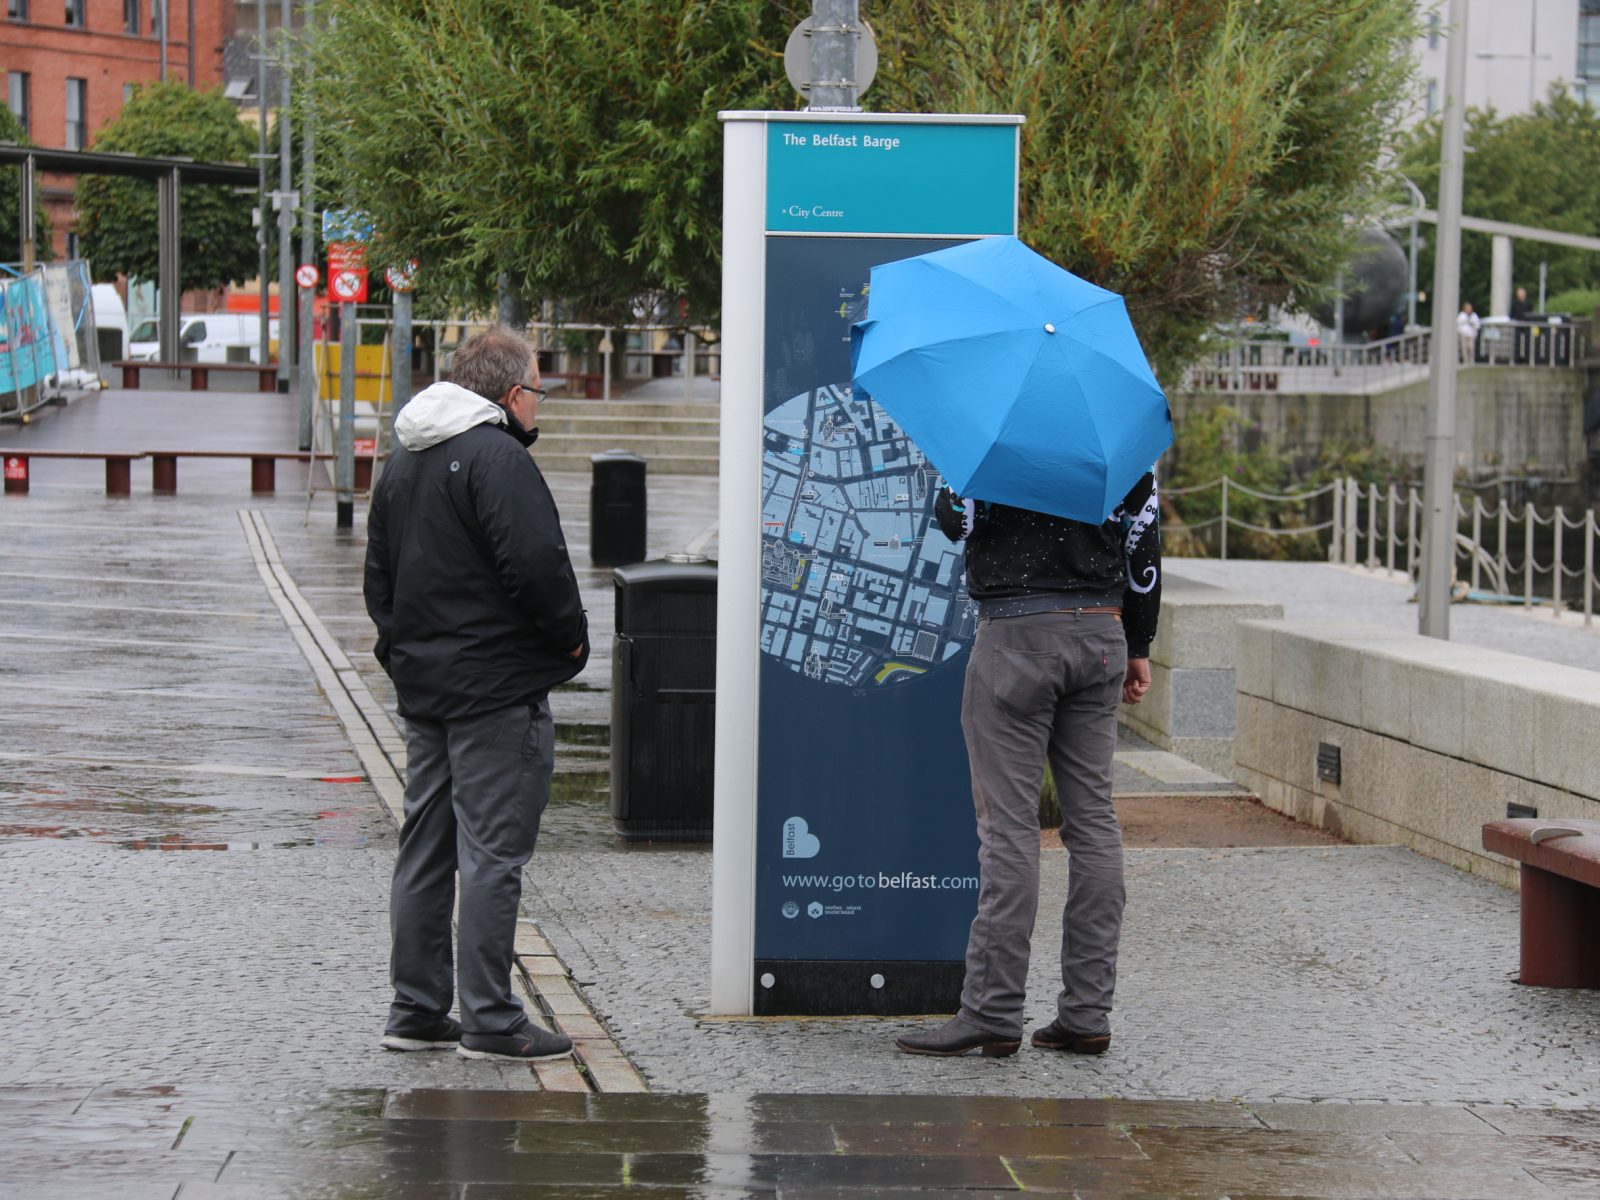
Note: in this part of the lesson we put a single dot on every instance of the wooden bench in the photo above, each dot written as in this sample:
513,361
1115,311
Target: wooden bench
199,373
263,467
119,467
1560,897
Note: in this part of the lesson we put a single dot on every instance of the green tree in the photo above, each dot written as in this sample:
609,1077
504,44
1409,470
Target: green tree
1536,168
574,147
1201,156
118,218
11,201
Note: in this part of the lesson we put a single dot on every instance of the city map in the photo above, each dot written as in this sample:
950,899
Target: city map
859,587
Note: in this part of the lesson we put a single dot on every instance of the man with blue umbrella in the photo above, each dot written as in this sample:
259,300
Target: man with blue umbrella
1027,388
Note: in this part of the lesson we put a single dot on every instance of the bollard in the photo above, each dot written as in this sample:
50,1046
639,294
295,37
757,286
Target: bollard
617,509
16,474
263,476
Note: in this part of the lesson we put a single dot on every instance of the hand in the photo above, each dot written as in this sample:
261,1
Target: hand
1137,682
578,653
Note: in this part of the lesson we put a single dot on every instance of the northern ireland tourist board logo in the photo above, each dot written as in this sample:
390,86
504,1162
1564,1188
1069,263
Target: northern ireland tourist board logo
798,840
814,909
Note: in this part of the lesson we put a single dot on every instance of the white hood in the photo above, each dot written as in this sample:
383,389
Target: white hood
439,412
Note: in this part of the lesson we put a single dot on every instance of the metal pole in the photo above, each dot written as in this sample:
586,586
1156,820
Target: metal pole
1224,518
1557,567
188,37
1588,566
1412,504
163,24
1372,527
1336,545
1352,521
28,206
835,29
308,251
688,365
287,380
1411,294
1544,275
1477,538
344,478
261,177
1438,552
1527,555
400,371
169,278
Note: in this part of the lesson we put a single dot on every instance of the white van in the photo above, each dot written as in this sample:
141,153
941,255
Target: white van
110,322
221,337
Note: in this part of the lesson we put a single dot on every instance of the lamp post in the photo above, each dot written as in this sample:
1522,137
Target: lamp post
1438,486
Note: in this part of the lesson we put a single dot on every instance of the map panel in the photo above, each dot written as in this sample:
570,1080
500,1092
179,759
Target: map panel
859,587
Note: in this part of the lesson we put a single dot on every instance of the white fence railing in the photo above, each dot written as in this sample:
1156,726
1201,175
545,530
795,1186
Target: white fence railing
1505,553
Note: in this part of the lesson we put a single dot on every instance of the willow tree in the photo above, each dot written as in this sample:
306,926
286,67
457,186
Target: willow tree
1201,156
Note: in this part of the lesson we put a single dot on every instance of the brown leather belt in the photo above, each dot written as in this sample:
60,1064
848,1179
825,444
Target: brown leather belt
1113,610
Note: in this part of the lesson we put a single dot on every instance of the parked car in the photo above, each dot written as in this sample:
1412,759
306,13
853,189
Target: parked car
220,337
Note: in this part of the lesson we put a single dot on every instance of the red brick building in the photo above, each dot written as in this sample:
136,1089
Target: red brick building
70,64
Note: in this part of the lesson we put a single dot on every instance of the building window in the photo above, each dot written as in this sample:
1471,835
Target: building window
17,98
1433,96
157,7
1433,31
75,13
77,114
130,16
128,89
17,10
72,243
1589,49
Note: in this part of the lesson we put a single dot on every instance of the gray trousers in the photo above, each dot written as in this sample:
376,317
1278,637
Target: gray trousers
475,790
1037,685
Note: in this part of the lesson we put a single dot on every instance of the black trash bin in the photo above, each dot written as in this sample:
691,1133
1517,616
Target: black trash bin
617,509
663,699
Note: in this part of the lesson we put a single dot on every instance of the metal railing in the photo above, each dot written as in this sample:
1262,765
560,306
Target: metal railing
1505,553
1253,365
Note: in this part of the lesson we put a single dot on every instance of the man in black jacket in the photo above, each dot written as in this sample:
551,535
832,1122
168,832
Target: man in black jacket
1066,615
478,616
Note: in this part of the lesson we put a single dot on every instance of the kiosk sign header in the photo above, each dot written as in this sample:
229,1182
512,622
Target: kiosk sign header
892,178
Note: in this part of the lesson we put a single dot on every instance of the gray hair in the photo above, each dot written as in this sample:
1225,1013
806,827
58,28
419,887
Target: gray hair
492,363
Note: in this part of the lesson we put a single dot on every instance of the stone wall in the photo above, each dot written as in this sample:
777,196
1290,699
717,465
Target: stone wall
1435,737
1509,419
1189,709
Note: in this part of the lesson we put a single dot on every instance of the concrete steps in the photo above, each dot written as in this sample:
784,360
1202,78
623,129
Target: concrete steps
677,438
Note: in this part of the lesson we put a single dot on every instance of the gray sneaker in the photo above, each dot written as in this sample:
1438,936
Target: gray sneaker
443,1034
528,1044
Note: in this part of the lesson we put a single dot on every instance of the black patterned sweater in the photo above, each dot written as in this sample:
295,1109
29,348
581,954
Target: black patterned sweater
1021,561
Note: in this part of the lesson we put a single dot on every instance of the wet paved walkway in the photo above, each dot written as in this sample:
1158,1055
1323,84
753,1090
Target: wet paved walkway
193,880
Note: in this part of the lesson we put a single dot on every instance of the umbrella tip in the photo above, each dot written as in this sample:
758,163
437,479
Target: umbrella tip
1049,328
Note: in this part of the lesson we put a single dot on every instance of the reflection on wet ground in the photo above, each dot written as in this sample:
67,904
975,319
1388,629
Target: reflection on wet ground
180,1143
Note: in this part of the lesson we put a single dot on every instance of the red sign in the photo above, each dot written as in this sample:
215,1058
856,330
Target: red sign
347,272
16,468
366,446
307,276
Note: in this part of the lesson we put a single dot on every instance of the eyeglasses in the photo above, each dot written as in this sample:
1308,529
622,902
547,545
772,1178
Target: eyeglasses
538,393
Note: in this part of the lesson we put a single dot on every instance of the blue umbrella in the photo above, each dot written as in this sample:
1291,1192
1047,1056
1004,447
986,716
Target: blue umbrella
1022,383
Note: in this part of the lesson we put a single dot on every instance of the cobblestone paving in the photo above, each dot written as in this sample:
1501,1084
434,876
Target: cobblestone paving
1340,973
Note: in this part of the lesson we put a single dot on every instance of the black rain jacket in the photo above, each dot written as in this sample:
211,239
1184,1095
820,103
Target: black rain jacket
467,575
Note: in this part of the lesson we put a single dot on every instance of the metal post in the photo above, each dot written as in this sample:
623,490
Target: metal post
1372,527
344,478
1412,504
1352,521
1544,275
1588,567
287,378
169,277
1439,475
1411,294
1527,556
400,368
835,28
1388,554
1336,545
26,223
1502,514
1477,537
261,178
163,23
1224,518
688,365
1556,567
307,357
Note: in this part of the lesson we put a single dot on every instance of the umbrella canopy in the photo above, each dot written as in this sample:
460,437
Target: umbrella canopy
1022,383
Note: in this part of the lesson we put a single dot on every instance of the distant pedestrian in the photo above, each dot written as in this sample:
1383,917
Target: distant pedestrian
478,616
1467,326
1521,333
1066,614
1521,310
